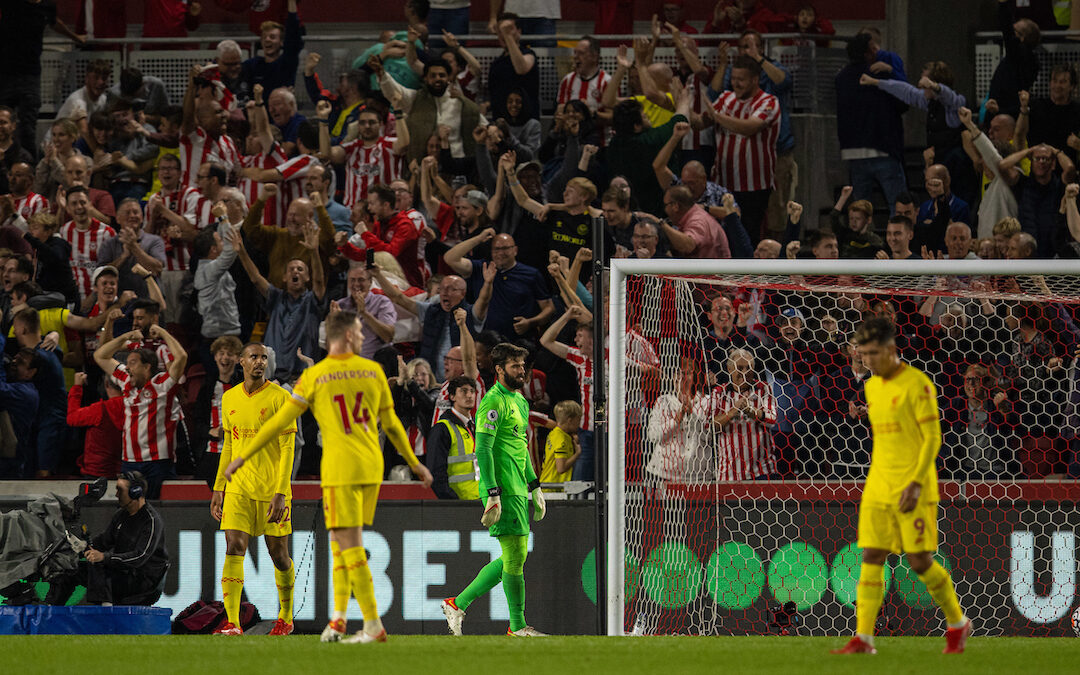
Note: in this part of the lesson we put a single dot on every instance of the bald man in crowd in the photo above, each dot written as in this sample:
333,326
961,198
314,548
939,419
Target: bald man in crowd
519,299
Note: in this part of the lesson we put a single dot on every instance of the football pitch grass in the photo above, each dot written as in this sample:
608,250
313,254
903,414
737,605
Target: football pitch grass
433,655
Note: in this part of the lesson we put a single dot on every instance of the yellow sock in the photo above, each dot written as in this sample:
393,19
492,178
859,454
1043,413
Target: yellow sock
869,594
360,581
232,586
285,581
940,585
341,582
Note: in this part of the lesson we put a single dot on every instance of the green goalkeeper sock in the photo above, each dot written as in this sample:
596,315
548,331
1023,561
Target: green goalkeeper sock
488,578
514,588
514,550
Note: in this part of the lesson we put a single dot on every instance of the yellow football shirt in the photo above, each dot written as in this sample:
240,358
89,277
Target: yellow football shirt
904,416
242,415
347,394
658,115
54,319
559,444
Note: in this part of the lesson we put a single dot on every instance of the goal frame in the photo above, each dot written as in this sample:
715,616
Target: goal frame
621,269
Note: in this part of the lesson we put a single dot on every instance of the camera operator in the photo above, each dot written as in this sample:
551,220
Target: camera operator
127,563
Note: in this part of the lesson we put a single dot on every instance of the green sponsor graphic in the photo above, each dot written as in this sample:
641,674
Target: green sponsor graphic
734,575
911,589
846,568
672,575
798,573
632,576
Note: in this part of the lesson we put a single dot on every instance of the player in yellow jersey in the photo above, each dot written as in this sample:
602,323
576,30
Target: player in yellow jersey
350,398
258,501
898,511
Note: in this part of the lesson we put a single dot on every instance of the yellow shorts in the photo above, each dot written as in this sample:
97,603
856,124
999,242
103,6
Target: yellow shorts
249,515
885,528
350,505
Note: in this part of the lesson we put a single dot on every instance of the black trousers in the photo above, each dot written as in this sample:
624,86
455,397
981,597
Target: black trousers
121,587
207,468
104,584
753,204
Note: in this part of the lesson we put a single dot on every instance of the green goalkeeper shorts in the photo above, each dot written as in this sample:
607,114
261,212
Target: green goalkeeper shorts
515,517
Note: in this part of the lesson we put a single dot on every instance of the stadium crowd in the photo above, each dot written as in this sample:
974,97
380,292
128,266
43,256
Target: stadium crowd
433,199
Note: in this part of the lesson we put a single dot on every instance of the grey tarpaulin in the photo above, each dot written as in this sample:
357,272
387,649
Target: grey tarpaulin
26,534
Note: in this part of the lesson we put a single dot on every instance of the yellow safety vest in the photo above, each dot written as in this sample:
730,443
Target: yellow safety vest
461,464
1062,12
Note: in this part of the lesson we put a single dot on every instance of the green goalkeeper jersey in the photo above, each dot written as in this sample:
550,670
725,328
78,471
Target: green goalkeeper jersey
502,448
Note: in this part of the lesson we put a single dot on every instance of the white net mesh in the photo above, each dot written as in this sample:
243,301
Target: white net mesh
725,524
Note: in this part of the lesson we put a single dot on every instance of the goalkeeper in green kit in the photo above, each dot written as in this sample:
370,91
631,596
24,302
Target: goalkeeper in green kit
506,479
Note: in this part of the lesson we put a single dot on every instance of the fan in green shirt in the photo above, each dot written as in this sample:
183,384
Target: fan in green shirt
507,478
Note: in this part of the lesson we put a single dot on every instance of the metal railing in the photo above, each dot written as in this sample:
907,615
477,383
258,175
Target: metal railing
64,66
1058,47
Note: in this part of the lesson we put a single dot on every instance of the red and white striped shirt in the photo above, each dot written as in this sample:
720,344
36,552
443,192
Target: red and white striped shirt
250,188
469,83
574,87
30,204
638,351
220,388
443,402
583,366
292,186
706,137
745,444
536,420
149,426
535,387
197,148
222,94
747,163
189,203
164,357
417,441
159,347
84,249
366,166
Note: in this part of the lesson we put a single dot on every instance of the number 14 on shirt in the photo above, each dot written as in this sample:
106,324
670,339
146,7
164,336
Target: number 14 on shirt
359,414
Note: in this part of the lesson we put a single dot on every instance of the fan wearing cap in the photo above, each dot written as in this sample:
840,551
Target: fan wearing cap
566,229
147,90
393,231
796,365
103,304
465,216
130,155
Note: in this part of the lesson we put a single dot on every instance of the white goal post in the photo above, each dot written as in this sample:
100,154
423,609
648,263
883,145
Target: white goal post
1038,281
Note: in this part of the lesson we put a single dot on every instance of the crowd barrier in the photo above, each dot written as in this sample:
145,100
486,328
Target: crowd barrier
63,68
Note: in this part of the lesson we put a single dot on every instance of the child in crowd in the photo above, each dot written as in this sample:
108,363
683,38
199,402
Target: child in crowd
562,449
